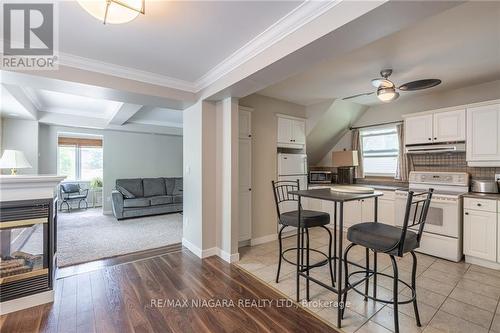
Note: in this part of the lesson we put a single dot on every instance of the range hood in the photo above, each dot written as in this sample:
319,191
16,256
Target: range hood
458,147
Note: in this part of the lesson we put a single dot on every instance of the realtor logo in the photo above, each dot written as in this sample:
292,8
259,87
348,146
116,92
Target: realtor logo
28,36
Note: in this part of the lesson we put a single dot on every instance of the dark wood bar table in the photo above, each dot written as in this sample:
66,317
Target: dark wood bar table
338,199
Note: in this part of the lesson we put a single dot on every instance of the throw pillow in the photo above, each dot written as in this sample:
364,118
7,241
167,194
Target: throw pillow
125,192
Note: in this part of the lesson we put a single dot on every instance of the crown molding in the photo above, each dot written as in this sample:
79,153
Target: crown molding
92,65
294,20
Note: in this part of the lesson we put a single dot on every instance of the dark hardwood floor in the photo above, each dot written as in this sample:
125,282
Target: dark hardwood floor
119,299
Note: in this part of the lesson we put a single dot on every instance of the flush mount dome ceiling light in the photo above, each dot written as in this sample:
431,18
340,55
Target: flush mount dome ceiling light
387,94
113,11
386,90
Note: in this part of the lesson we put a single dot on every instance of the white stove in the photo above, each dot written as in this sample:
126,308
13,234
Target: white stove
442,235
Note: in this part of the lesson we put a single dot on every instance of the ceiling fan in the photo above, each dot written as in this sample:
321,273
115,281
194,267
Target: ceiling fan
386,89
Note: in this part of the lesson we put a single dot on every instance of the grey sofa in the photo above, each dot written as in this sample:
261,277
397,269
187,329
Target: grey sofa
146,196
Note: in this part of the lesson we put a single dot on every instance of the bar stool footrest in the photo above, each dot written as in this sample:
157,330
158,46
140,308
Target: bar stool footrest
318,264
371,274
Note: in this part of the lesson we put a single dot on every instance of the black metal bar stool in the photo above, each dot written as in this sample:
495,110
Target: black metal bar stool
394,241
309,219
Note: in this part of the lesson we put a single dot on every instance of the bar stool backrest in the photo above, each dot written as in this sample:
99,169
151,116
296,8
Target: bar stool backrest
281,191
417,207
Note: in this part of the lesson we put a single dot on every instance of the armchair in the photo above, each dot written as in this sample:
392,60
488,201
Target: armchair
72,192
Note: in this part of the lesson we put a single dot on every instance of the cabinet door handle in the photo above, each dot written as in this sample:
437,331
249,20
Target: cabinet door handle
249,189
466,213
479,205
430,139
435,138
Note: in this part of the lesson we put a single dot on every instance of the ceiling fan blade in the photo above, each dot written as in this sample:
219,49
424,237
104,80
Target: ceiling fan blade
358,95
382,83
419,84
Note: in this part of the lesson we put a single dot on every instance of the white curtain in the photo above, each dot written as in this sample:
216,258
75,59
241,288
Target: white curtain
402,168
356,145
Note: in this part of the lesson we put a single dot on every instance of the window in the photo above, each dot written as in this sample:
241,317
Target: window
380,151
79,158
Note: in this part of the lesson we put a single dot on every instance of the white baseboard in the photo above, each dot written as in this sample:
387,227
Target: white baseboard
191,247
263,239
26,302
230,258
482,262
213,251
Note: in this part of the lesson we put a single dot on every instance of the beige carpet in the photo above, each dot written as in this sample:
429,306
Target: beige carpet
89,235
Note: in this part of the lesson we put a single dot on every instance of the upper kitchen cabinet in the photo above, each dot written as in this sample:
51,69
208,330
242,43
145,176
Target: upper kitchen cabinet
483,138
291,132
435,126
245,122
449,126
418,129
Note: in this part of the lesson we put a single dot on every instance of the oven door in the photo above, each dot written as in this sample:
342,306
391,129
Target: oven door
444,217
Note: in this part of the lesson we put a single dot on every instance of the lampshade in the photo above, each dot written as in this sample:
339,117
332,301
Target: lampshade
14,159
346,158
113,11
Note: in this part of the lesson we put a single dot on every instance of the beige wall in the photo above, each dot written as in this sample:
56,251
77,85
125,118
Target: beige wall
264,160
20,134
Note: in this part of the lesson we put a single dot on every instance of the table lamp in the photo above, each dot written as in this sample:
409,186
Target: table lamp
13,160
345,161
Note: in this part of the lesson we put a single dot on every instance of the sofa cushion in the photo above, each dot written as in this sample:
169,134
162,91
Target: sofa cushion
161,200
169,185
133,186
136,202
178,187
124,192
177,198
153,187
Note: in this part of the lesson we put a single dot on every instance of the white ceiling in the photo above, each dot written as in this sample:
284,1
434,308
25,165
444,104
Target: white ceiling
157,116
176,39
58,102
460,46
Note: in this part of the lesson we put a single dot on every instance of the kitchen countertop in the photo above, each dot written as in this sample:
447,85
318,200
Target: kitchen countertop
494,196
374,186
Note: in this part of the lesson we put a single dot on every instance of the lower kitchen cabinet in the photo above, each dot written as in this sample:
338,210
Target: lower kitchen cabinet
480,234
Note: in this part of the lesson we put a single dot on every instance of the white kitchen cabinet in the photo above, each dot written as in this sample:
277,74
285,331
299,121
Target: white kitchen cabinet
480,233
245,176
386,212
245,123
418,129
291,132
435,126
352,213
449,126
483,137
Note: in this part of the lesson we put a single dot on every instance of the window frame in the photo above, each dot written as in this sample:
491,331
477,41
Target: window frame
390,130
78,154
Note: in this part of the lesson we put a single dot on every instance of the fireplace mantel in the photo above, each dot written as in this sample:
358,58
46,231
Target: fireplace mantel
28,187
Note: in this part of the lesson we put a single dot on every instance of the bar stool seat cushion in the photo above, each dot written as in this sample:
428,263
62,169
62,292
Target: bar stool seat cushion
309,218
381,237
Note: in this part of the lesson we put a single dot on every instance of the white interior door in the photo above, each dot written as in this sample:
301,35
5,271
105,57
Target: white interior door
245,190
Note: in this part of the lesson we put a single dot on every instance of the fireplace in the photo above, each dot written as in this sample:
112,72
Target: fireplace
26,247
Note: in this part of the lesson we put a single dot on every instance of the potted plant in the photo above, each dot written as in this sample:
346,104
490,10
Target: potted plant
96,186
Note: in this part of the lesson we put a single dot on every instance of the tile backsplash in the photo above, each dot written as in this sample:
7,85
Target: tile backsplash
453,162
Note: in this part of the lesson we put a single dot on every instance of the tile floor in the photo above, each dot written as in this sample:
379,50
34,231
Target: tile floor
452,297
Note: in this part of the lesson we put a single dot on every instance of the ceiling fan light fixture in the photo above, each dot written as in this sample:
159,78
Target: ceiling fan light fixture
113,11
387,94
